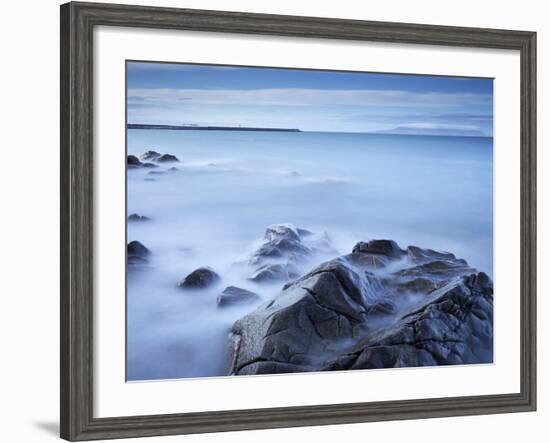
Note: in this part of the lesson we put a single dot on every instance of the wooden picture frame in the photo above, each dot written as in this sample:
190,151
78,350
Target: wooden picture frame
77,23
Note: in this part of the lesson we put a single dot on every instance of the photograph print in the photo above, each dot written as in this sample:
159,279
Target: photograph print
290,220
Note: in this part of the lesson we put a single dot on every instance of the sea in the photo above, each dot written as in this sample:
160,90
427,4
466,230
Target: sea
229,186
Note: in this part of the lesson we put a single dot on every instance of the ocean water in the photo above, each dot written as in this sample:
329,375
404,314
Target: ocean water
434,192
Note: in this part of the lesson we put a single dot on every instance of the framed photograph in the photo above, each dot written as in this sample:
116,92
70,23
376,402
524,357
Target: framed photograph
273,221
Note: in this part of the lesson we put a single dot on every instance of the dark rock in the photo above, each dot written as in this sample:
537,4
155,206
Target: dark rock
388,248
137,253
150,155
232,296
455,327
281,232
418,284
312,316
420,255
437,270
383,307
275,272
138,218
341,315
164,171
132,161
199,279
284,244
281,249
167,158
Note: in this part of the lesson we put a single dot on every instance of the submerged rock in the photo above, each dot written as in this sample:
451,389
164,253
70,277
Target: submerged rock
150,155
233,295
137,253
133,162
387,248
275,272
138,218
165,171
348,314
167,158
284,251
199,279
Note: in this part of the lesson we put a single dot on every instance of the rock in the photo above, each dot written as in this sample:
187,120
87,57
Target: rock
455,327
138,218
132,161
419,284
420,255
281,249
199,279
167,158
437,270
281,232
387,248
165,171
137,253
283,244
275,272
150,156
285,252
233,295
343,315
305,324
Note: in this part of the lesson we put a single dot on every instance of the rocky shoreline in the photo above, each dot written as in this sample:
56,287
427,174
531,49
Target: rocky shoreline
380,306
308,308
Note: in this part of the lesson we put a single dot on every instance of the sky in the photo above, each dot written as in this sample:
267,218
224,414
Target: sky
309,100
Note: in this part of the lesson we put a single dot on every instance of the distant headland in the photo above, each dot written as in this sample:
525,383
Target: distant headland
208,128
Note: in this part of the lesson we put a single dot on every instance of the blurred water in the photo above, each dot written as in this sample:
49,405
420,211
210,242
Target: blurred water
428,191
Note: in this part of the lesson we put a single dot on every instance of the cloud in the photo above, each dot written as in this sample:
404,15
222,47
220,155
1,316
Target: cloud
428,128
427,125
308,97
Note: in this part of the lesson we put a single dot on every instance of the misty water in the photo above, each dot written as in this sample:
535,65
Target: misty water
229,186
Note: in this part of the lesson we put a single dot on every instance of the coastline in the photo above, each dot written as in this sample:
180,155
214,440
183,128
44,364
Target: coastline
209,128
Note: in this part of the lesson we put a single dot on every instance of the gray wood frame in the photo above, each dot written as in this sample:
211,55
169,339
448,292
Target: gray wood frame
77,23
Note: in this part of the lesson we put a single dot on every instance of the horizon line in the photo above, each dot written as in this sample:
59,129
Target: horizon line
166,126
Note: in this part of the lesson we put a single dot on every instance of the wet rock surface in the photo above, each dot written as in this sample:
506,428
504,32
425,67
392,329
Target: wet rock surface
137,253
232,296
164,171
167,158
452,327
133,161
285,248
274,272
138,218
150,155
380,306
200,278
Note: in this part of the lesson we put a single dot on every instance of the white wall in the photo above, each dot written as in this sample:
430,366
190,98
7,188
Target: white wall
29,218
